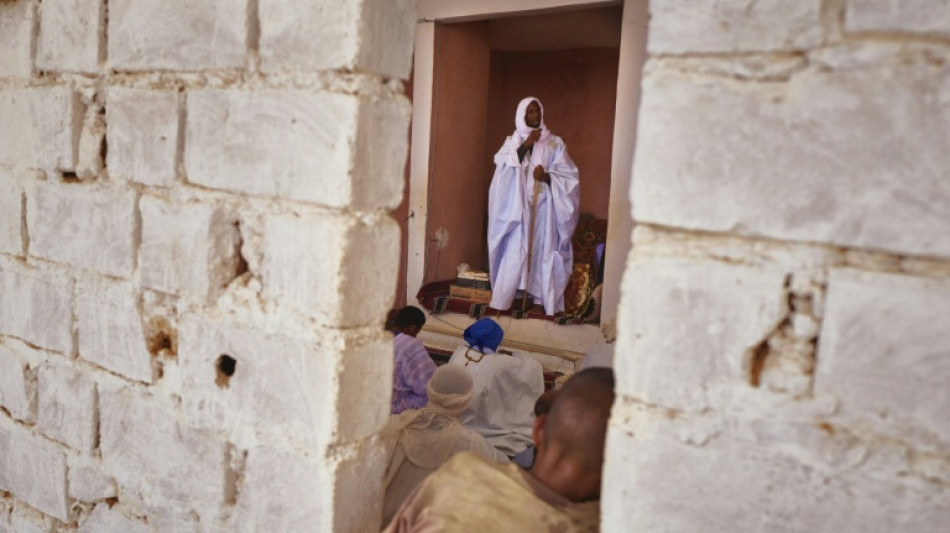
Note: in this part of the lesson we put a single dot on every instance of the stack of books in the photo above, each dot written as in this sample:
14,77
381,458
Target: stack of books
472,286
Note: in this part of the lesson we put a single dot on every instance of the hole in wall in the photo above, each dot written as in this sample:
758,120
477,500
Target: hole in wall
757,362
69,177
161,338
225,365
242,267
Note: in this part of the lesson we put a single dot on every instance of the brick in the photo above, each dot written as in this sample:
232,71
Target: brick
11,215
176,34
69,35
17,384
359,476
34,470
282,385
39,128
801,160
37,308
367,35
354,261
920,16
187,249
110,329
86,226
87,481
24,519
142,135
16,36
332,149
157,460
684,26
693,326
67,406
883,348
106,518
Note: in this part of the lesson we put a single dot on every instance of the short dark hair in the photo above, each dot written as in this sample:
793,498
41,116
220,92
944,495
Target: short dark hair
410,316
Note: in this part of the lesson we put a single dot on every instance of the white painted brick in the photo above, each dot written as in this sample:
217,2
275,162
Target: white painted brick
39,128
110,329
142,135
16,35
351,261
366,35
884,348
157,460
25,519
67,406
807,160
187,249
693,325
87,481
332,149
283,385
176,34
11,215
17,384
917,16
106,518
69,35
284,491
37,308
359,477
34,470
86,226
685,26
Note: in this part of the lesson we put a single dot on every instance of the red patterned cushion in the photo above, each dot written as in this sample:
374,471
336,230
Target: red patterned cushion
578,291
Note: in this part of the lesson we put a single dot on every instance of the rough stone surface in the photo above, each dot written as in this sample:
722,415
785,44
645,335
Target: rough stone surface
87,481
693,326
189,249
356,279
16,34
176,34
68,406
110,329
33,469
24,519
11,215
920,16
684,26
157,460
142,135
317,147
885,348
366,35
69,36
38,127
17,384
782,160
106,518
86,226
37,308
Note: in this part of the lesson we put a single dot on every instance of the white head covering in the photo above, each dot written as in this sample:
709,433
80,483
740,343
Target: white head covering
522,130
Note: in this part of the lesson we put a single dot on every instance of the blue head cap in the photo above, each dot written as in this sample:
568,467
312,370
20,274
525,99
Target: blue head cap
486,333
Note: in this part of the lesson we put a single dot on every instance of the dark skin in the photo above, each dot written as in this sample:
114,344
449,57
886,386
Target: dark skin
532,117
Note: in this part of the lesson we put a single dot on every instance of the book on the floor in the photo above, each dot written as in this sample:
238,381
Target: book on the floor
483,284
480,296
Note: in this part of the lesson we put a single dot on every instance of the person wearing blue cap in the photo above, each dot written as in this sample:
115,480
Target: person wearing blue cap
506,388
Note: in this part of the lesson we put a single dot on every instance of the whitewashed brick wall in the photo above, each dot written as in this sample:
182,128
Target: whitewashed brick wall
182,181
783,345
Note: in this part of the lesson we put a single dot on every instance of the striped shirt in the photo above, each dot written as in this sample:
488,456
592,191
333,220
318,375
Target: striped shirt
411,373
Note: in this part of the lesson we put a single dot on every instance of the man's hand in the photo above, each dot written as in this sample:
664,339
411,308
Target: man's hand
532,138
541,175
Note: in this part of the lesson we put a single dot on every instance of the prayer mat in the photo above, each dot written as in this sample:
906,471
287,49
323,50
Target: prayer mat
435,297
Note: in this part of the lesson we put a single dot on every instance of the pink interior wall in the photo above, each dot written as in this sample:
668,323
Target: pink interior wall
578,89
458,194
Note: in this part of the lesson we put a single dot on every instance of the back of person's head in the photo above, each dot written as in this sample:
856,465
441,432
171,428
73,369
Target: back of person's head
450,389
484,333
410,316
575,431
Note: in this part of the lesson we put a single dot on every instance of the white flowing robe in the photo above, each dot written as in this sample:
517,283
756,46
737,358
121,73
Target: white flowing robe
509,215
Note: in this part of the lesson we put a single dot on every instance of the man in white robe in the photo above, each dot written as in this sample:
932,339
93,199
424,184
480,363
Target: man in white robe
532,157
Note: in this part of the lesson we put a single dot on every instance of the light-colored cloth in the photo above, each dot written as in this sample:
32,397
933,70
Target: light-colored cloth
509,218
471,494
506,387
412,369
420,441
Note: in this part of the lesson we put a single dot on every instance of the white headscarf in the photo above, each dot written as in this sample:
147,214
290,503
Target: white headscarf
522,130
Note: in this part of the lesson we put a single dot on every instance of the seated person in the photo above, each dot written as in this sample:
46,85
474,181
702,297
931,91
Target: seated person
427,438
560,493
412,366
506,387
